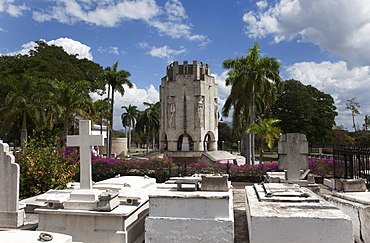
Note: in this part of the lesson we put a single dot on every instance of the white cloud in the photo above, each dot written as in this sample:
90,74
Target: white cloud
223,93
12,9
339,81
110,50
69,45
169,20
73,47
163,52
340,27
175,10
134,96
101,13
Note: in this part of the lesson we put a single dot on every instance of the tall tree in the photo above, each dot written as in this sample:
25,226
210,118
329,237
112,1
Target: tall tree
116,80
304,109
26,98
72,99
47,62
353,106
266,130
255,82
148,122
101,110
129,119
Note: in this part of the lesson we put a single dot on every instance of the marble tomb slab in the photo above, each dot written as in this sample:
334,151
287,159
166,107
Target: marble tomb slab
286,213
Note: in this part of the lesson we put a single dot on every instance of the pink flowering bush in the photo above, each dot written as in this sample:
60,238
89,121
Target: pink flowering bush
325,167
258,170
104,168
45,165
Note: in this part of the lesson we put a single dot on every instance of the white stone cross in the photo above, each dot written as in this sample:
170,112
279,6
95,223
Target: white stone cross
85,140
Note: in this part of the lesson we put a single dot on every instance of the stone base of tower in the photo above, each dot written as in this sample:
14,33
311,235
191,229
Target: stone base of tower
188,157
185,157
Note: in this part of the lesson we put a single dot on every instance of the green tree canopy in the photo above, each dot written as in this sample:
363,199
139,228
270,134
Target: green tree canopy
115,79
52,62
266,130
148,122
72,100
304,109
25,102
129,119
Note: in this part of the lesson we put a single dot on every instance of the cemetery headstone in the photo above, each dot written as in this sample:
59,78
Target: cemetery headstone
85,141
293,154
10,214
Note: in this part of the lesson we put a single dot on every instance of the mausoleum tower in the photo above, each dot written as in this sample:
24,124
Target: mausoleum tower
189,112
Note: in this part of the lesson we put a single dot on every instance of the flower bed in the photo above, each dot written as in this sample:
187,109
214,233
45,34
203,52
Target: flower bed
49,165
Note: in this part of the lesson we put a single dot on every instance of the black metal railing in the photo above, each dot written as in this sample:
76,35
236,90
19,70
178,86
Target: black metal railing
352,163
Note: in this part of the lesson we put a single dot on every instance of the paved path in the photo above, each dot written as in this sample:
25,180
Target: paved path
240,218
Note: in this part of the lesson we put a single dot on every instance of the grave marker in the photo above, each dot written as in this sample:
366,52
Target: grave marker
10,214
85,141
293,154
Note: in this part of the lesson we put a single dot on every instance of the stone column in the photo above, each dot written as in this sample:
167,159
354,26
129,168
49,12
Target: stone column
198,146
172,145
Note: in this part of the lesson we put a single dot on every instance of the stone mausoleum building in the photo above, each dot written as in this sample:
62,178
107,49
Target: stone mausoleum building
189,112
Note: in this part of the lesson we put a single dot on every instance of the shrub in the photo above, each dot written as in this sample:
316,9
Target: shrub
258,170
45,165
325,167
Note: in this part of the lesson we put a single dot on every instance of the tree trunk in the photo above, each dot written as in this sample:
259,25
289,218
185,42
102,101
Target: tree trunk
147,143
24,131
129,136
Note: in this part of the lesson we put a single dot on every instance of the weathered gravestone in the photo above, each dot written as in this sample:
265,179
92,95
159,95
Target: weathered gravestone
10,214
293,155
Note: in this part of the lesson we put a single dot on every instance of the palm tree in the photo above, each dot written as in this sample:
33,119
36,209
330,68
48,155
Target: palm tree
101,113
116,81
255,83
25,98
129,119
149,122
266,131
72,99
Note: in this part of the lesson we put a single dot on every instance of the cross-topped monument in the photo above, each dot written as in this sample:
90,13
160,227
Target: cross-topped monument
293,155
85,140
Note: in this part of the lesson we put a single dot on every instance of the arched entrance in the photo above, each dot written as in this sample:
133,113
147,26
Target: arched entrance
209,142
185,143
206,141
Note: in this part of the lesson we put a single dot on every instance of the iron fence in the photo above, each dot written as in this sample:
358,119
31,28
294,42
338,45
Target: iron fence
352,163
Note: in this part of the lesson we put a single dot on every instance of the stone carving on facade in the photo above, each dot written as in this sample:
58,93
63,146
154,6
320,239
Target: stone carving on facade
171,110
199,112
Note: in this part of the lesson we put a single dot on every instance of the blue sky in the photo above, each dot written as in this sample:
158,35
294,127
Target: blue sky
324,43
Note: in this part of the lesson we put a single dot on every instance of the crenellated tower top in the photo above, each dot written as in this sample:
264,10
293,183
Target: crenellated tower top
198,70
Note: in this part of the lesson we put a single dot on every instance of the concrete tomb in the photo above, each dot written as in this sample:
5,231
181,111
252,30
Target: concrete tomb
11,215
25,236
190,215
119,214
100,213
357,206
279,212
